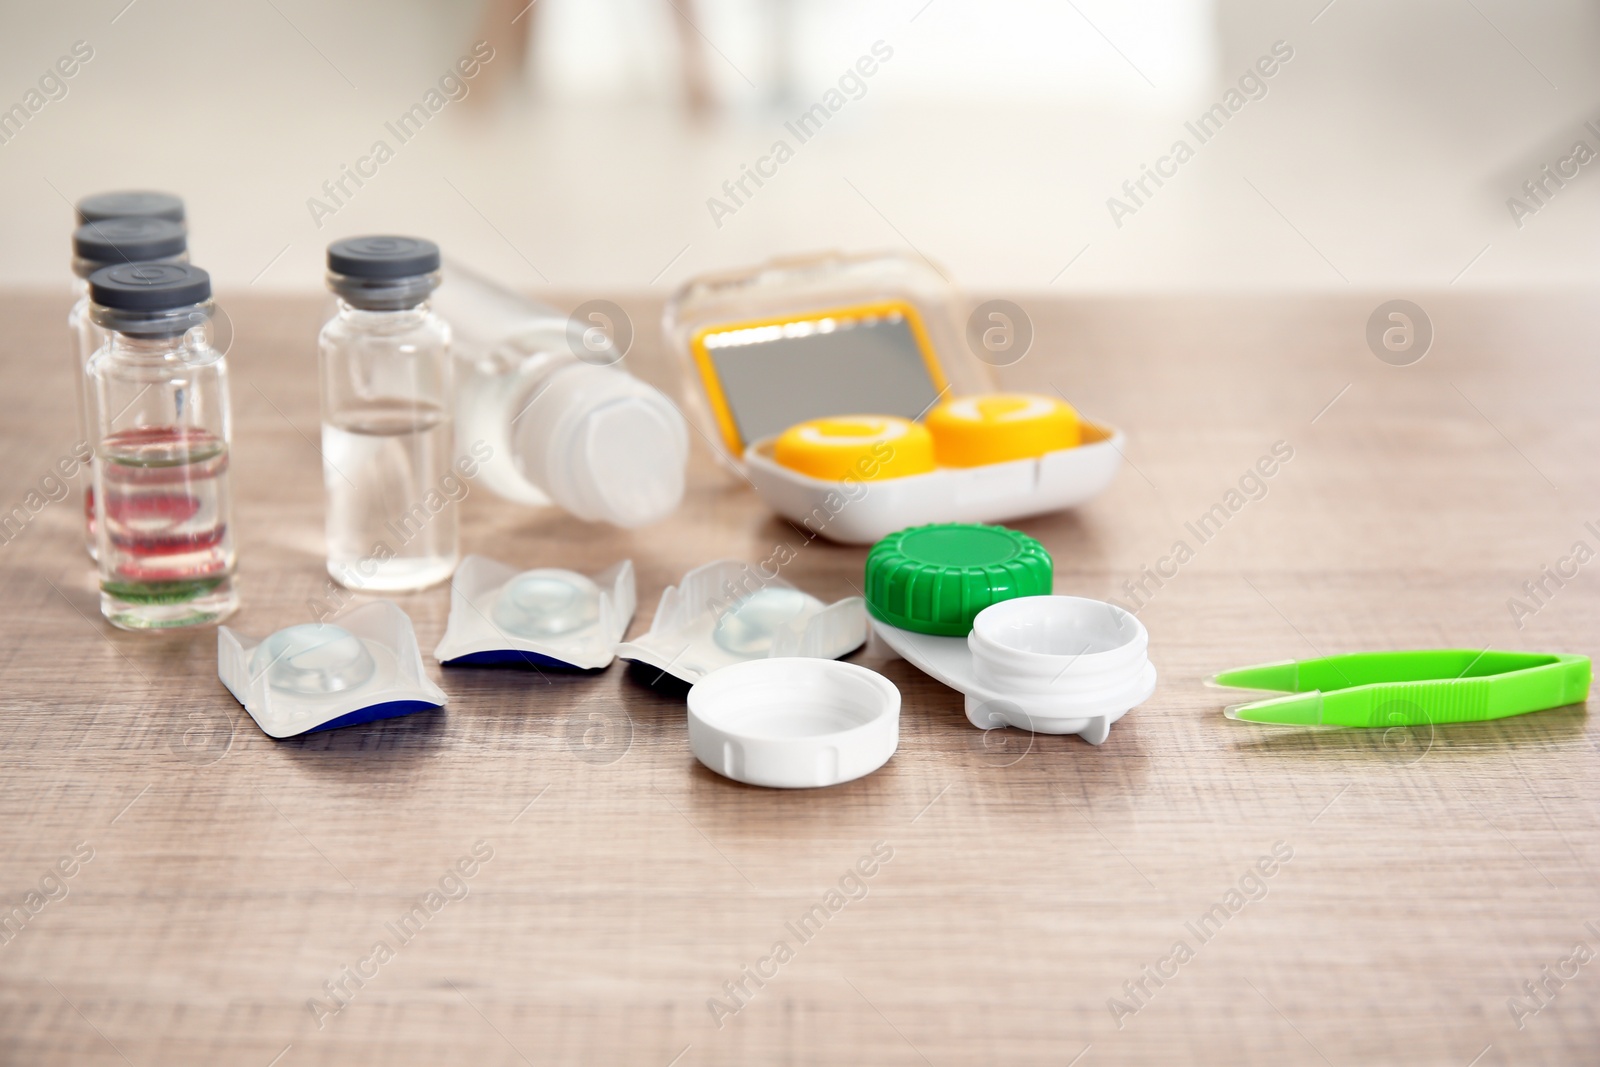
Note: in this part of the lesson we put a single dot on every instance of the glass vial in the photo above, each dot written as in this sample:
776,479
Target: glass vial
387,419
163,504
105,243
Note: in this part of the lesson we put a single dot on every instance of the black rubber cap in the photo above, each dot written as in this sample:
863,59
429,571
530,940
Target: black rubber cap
129,240
128,204
149,286
383,257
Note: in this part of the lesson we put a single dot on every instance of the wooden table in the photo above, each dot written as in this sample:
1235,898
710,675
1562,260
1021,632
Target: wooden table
1022,885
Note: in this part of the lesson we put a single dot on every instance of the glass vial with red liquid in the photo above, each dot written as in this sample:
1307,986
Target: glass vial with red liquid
104,243
163,502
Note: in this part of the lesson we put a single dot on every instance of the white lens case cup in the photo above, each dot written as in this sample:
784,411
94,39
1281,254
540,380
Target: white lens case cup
1049,664
323,675
726,612
546,617
791,723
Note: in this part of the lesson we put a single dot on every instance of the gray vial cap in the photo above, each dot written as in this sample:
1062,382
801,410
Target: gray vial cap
129,240
383,257
149,286
128,203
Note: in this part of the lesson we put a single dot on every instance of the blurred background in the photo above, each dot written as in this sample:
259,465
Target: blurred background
591,151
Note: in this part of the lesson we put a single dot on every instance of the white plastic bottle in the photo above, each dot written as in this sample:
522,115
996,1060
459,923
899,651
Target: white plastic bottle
563,422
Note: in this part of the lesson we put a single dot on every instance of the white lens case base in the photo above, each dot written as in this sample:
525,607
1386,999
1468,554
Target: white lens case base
864,512
547,617
1049,664
790,723
364,665
726,612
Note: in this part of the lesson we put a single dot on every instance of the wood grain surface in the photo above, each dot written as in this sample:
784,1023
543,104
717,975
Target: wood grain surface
1020,886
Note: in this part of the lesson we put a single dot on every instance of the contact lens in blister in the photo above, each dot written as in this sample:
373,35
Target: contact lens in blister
748,627
547,603
313,659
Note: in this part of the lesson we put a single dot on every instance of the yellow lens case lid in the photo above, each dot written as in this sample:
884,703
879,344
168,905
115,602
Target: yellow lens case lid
976,430
860,447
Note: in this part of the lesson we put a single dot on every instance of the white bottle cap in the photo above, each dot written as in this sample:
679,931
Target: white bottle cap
793,723
604,445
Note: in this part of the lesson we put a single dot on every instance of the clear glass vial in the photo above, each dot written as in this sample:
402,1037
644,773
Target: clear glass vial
387,419
163,502
105,243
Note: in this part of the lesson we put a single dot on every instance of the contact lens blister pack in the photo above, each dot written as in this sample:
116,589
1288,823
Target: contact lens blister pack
547,617
727,612
323,675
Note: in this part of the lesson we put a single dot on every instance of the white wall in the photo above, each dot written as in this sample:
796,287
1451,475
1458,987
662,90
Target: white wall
1381,156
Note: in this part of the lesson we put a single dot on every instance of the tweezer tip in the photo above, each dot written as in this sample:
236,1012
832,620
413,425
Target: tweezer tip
1264,676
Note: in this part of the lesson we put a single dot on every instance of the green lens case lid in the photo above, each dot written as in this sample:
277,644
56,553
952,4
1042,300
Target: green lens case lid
935,579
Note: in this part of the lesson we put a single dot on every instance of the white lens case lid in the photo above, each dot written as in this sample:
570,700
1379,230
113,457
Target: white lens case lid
791,723
727,612
361,666
1049,664
545,617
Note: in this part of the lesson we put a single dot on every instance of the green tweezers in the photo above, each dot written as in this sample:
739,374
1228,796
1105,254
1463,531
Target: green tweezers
1386,689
